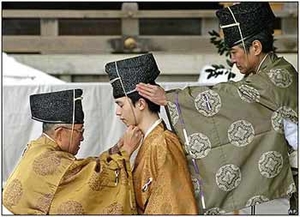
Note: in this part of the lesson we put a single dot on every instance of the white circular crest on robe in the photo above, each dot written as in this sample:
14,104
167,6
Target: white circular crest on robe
241,133
248,94
256,200
270,164
199,145
280,77
228,177
173,112
214,211
291,189
280,114
208,103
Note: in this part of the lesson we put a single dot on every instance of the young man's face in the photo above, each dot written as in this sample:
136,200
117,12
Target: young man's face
126,111
245,62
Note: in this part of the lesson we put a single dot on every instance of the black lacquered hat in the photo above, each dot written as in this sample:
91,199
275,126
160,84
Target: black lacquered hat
58,107
125,74
242,21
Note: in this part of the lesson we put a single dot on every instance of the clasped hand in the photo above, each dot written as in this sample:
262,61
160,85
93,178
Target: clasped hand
131,139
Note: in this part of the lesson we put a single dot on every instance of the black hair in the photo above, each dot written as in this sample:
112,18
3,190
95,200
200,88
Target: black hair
266,39
135,96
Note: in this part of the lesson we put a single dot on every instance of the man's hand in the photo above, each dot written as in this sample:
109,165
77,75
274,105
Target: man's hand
131,139
154,93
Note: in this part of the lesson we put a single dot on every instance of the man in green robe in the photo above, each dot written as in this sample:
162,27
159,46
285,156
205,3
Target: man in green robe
233,132
49,179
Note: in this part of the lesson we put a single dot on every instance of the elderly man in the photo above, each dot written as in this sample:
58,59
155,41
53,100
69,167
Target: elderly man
49,179
234,131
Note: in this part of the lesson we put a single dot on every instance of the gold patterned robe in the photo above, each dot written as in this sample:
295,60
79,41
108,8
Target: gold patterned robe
50,181
234,133
162,181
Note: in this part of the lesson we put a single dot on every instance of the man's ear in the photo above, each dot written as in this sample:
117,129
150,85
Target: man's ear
57,134
142,104
257,47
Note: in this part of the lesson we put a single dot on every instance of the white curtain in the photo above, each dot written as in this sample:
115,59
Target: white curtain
102,126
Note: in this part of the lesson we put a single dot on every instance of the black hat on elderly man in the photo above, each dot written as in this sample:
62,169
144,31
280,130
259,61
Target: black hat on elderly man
125,74
252,17
61,107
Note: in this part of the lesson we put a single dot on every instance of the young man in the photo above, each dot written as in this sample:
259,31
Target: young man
50,180
161,177
236,129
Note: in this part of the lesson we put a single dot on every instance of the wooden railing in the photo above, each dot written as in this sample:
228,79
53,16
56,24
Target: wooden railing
49,41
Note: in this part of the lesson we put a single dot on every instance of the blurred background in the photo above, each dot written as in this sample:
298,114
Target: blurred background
50,46
73,40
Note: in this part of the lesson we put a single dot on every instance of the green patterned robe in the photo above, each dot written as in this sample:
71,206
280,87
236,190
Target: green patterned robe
235,135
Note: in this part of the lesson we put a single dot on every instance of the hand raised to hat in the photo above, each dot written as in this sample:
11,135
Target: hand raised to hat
131,139
154,93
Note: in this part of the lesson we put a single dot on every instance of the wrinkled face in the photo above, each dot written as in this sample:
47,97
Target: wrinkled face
71,143
126,111
245,62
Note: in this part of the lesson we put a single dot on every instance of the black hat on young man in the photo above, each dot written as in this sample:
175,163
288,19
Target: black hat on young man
125,74
61,107
252,17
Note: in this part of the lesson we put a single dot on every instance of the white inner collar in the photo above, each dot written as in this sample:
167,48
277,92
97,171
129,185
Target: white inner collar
157,122
48,137
262,62
134,154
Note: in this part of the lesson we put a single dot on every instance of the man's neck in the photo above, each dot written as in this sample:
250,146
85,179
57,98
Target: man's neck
49,137
261,61
147,121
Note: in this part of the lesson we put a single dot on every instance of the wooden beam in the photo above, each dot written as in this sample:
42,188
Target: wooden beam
101,44
7,13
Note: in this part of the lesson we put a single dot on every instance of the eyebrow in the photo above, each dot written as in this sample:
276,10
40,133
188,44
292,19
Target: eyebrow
118,102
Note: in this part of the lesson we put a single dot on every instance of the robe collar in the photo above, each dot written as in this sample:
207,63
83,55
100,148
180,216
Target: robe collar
269,58
135,153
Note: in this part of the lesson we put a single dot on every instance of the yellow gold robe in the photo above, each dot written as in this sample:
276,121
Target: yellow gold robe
161,177
50,181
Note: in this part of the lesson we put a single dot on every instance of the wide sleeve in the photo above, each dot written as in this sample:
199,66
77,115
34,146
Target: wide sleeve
31,187
96,185
172,187
228,128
